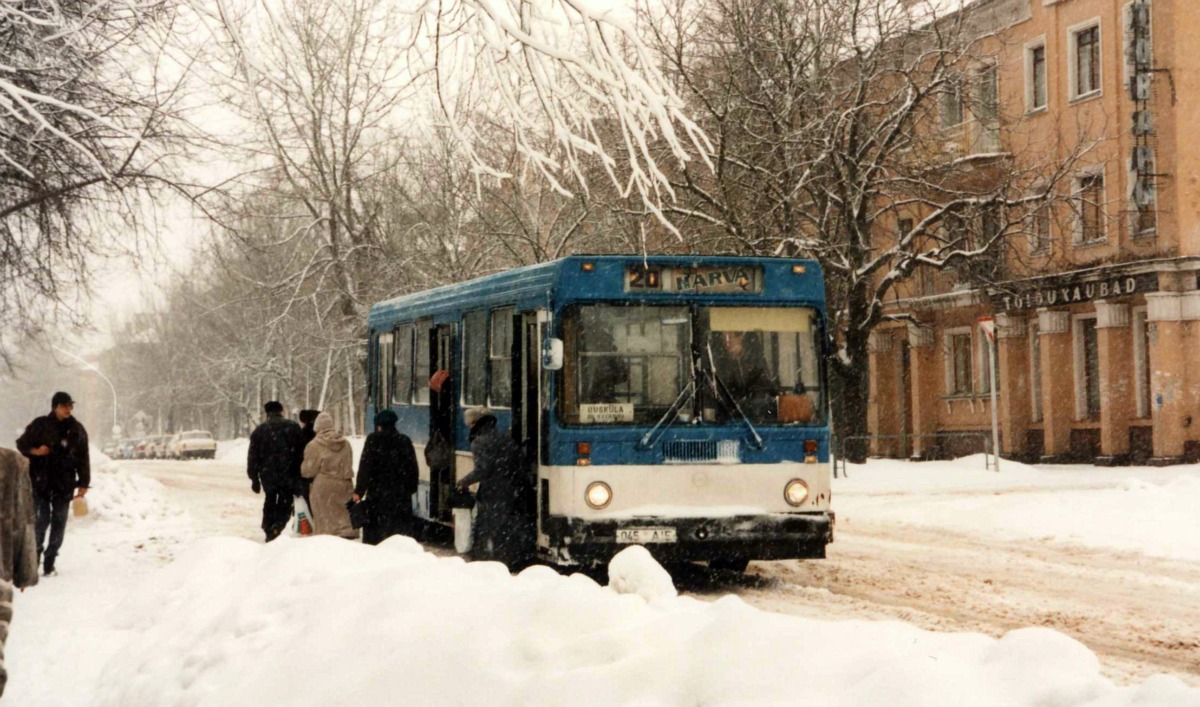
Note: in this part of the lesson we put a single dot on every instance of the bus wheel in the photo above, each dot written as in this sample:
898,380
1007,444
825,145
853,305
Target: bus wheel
736,565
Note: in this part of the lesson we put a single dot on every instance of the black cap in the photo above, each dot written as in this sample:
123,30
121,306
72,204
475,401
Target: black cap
61,398
309,416
273,406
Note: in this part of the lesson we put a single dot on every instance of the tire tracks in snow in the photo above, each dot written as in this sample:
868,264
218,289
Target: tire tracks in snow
1140,615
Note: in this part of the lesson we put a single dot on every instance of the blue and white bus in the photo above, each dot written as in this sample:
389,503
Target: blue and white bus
675,402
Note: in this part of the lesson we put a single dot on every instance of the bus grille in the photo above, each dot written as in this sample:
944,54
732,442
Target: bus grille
691,451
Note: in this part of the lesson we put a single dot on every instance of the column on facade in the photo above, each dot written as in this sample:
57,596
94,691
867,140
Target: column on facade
1117,405
928,381
1013,351
881,409
1169,315
1058,382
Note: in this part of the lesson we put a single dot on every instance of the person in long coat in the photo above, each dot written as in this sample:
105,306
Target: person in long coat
18,547
504,527
59,469
307,433
387,480
329,462
273,465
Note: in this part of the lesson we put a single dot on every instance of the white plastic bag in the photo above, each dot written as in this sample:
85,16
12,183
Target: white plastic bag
463,518
301,518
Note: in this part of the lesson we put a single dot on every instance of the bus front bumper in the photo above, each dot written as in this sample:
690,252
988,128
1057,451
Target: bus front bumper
778,536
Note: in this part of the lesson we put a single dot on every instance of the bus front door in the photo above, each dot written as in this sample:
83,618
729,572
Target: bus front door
442,414
527,389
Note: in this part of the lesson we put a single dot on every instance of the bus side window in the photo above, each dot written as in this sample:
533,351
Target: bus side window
500,378
383,371
402,365
475,358
420,361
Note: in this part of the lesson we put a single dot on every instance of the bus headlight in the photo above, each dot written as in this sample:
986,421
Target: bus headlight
795,492
598,495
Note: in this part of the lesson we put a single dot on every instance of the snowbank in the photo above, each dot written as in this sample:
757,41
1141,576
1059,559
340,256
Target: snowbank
321,621
1137,509
127,498
233,450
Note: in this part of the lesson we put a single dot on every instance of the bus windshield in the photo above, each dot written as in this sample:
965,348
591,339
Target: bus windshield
633,364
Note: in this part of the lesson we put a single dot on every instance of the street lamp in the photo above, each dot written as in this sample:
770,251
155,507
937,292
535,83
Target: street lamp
116,428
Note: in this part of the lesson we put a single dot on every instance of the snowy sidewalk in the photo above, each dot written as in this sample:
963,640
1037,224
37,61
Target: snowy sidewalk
1151,511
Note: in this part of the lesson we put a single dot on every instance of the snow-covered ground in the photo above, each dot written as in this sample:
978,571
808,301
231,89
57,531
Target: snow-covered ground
1153,511
157,605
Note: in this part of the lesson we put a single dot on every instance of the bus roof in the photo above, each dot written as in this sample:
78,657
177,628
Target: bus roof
543,284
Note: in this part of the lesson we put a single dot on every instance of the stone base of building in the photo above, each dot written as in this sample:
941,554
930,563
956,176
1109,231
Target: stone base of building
1112,460
1164,461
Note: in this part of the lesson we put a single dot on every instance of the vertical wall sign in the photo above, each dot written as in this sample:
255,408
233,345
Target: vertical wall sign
1141,61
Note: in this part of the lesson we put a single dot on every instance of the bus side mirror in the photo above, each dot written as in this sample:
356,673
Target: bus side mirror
552,354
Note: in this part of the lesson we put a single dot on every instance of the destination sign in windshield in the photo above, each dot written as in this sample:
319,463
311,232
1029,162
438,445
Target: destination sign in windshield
723,279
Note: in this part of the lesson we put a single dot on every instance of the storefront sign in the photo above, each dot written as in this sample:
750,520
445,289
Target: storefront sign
1055,294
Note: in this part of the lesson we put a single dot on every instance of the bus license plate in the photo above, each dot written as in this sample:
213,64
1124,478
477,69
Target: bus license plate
646,535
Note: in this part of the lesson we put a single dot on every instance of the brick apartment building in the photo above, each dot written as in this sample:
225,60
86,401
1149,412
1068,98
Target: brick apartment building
1098,315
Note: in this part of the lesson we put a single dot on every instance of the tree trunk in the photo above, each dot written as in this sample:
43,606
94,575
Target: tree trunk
852,381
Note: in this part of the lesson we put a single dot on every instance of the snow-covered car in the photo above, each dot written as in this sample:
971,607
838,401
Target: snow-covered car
157,446
194,444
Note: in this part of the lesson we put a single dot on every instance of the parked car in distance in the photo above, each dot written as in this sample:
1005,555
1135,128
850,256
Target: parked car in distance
156,446
125,450
141,450
194,444
111,448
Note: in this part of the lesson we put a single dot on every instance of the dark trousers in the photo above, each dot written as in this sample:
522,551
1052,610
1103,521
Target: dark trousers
52,514
277,510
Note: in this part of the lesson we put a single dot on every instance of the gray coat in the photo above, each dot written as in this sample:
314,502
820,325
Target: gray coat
18,546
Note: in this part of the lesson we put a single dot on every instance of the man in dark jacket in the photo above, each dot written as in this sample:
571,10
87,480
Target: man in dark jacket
276,452
387,480
59,468
18,551
503,528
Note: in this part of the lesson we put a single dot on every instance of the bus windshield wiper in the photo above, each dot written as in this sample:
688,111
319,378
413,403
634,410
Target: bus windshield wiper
719,387
685,396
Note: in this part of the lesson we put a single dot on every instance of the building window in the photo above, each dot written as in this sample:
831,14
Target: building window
904,227
1035,78
1085,44
987,111
1087,368
1039,241
500,380
985,363
475,358
952,102
958,361
1089,207
1035,371
1141,361
402,365
422,367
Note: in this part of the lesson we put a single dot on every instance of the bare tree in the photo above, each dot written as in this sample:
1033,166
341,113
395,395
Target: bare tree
867,134
86,124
